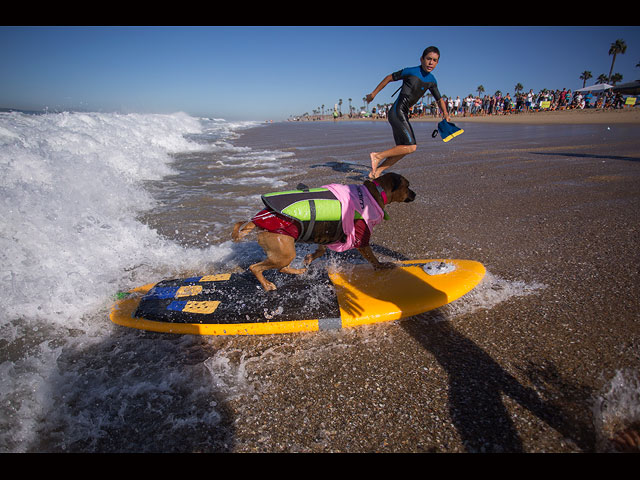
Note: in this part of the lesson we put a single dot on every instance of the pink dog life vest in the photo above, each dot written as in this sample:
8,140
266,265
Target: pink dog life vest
354,198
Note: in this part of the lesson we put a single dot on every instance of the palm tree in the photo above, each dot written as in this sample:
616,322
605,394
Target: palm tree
480,90
586,75
602,78
617,47
518,88
615,78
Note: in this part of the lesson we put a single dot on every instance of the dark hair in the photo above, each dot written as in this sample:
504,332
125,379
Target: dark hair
430,50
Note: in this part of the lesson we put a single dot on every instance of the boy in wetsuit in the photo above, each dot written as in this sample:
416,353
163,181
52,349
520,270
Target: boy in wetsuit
415,82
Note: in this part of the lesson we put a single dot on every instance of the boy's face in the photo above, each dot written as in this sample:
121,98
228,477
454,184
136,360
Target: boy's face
429,61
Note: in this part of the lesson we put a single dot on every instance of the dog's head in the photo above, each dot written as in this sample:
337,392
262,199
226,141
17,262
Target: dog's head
396,187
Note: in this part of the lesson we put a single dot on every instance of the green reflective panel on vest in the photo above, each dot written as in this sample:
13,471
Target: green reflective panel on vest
326,209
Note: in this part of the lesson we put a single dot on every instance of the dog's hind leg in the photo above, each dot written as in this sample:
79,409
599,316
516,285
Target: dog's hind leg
281,251
258,268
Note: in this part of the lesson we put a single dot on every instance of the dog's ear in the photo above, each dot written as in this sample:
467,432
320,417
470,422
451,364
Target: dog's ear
395,182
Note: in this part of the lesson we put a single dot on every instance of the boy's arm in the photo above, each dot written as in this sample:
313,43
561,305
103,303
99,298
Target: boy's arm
383,83
443,107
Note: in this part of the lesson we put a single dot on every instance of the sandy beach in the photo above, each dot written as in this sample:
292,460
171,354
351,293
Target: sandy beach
575,117
528,364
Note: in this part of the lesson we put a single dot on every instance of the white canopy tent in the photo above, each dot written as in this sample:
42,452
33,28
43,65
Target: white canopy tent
600,87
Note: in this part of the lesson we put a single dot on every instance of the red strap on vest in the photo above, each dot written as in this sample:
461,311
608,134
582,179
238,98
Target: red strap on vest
380,191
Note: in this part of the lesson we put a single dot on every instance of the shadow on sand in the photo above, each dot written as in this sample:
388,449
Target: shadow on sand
478,386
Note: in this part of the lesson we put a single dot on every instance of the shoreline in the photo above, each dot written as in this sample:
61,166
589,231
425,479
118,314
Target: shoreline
591,116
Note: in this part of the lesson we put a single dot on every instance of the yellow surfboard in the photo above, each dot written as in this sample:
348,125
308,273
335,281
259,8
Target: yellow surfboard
344,296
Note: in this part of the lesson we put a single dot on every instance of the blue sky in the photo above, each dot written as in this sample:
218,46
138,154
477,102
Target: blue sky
262,73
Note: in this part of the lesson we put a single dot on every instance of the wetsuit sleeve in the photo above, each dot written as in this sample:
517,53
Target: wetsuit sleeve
397,75
435,92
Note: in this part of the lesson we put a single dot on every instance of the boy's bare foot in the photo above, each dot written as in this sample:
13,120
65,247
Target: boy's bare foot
375,161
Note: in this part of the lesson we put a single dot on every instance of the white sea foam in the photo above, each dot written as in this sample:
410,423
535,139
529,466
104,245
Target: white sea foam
491,291
616,407
72,190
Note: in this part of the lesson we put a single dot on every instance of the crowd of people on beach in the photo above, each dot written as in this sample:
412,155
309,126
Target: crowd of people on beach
498,104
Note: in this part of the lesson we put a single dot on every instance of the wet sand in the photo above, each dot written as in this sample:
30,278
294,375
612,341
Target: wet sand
552,211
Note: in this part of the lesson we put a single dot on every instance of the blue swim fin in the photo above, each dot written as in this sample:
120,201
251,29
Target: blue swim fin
448,130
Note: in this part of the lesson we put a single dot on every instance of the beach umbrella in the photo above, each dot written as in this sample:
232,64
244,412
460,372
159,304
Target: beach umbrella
629,88
600,87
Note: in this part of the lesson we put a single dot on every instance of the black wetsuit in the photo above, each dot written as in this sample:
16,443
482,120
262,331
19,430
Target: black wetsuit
415,84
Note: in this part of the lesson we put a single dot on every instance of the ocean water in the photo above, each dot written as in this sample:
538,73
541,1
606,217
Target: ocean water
96,203
84,209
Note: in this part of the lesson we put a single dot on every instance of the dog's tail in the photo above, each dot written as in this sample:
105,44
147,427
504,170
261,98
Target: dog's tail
241,230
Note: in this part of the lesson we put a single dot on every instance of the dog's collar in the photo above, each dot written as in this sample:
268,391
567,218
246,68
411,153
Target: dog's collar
380,191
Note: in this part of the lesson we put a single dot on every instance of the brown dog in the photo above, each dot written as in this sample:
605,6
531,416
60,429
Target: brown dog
280,247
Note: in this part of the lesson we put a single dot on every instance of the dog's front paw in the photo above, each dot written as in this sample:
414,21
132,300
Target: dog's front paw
268,286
